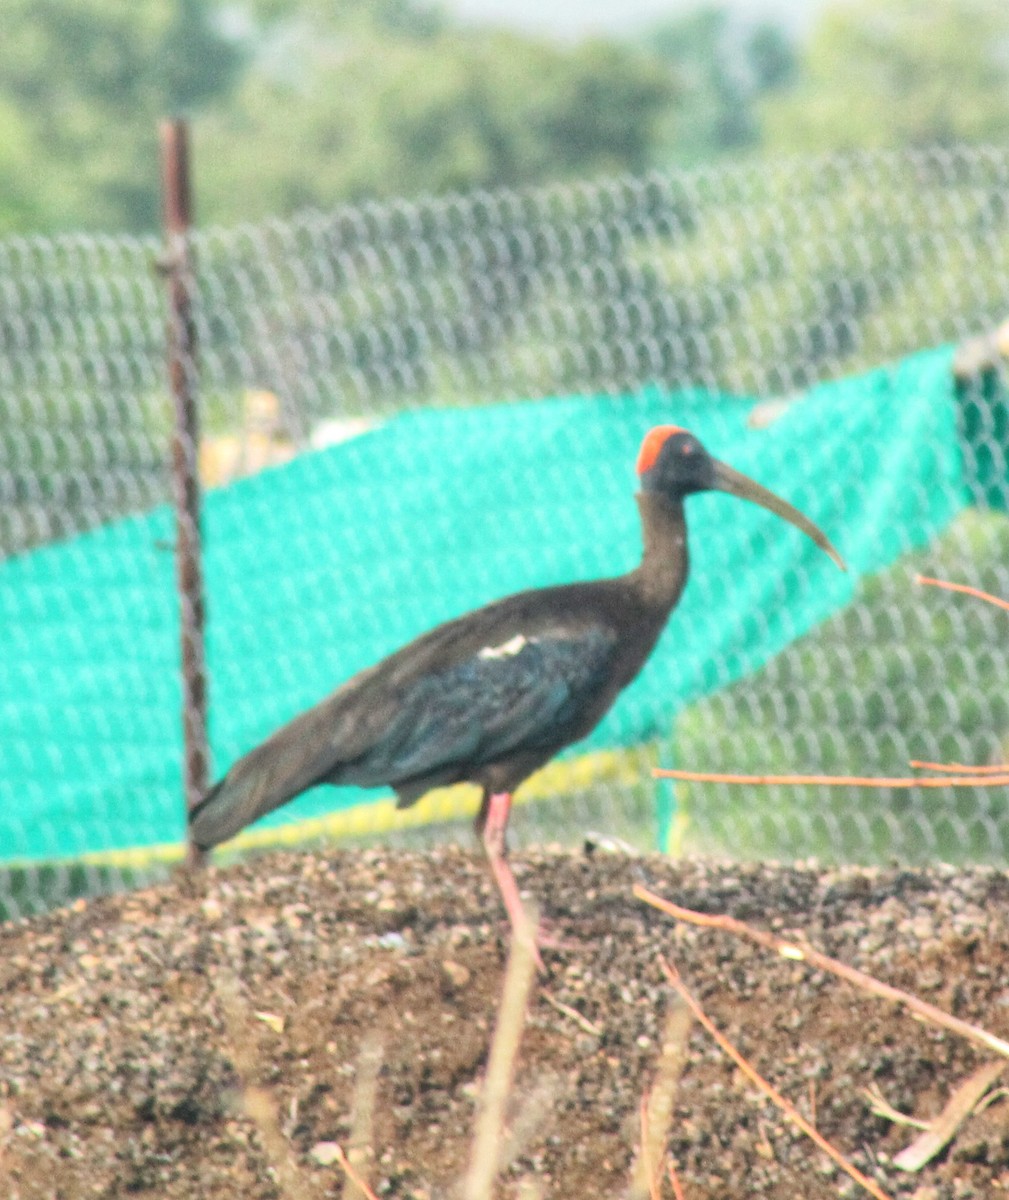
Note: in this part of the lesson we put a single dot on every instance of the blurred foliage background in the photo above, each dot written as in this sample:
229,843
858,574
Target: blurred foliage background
300,103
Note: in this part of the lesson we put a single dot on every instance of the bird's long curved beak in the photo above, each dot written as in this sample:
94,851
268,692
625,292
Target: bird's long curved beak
734,482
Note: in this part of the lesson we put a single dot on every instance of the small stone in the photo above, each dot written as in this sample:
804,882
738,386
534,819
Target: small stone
325,1153
456,974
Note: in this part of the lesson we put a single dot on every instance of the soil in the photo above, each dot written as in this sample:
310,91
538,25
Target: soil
139,1032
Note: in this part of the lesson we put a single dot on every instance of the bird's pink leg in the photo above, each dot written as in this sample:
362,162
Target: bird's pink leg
491,824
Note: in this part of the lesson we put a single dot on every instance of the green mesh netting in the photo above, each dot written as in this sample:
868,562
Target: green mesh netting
316,568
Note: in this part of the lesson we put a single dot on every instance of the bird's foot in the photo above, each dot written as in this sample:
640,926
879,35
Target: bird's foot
525,923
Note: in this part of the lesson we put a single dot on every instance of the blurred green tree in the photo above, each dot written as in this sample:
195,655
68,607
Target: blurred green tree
403,18
298,102
905,73
721,69
364,115
82,83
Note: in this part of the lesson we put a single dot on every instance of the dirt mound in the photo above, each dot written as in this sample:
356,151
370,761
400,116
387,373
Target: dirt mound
121,1052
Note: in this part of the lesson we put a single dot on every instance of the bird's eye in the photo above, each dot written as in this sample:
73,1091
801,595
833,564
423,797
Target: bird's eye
687,448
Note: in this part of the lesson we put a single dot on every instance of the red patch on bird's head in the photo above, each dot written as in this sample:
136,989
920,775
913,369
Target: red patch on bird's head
651,447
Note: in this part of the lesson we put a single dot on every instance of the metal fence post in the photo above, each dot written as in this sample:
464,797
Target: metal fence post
176,194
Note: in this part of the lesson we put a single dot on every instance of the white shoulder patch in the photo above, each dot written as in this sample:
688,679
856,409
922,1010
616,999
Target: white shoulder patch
506,649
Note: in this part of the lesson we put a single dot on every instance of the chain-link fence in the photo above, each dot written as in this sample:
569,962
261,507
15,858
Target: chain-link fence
390,385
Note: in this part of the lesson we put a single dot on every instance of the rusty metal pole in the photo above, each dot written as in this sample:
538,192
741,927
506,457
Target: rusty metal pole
181,346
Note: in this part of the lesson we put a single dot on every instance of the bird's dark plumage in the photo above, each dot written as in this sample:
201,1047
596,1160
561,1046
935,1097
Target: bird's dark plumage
493,695
512,682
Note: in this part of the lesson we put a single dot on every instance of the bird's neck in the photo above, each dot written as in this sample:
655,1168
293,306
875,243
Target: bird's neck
664,561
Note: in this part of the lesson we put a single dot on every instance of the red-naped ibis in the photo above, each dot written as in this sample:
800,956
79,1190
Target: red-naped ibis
491,696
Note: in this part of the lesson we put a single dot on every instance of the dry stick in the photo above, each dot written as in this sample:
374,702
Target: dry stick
921,1008
651,1176
359,1145
900,781
960,768
962,587
881,1107
943,1128
657,1106
648,1136
768,1089
987,1101
566,1010
989,599
998,768
994,776
957,775
353,1176
6,1125
674,1181
488,1138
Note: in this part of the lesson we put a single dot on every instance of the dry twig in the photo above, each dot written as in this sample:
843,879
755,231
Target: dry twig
815,958
999,1093
674,1181
6,1125
353,1177
943,1128
359,1145
790,1111
657,1106
489,1135
579,1019
866,781
962,587
881,1107
952,774
960,768
649,1176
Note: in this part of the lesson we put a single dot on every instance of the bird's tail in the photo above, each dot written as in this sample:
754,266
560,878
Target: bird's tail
205,818
263,780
